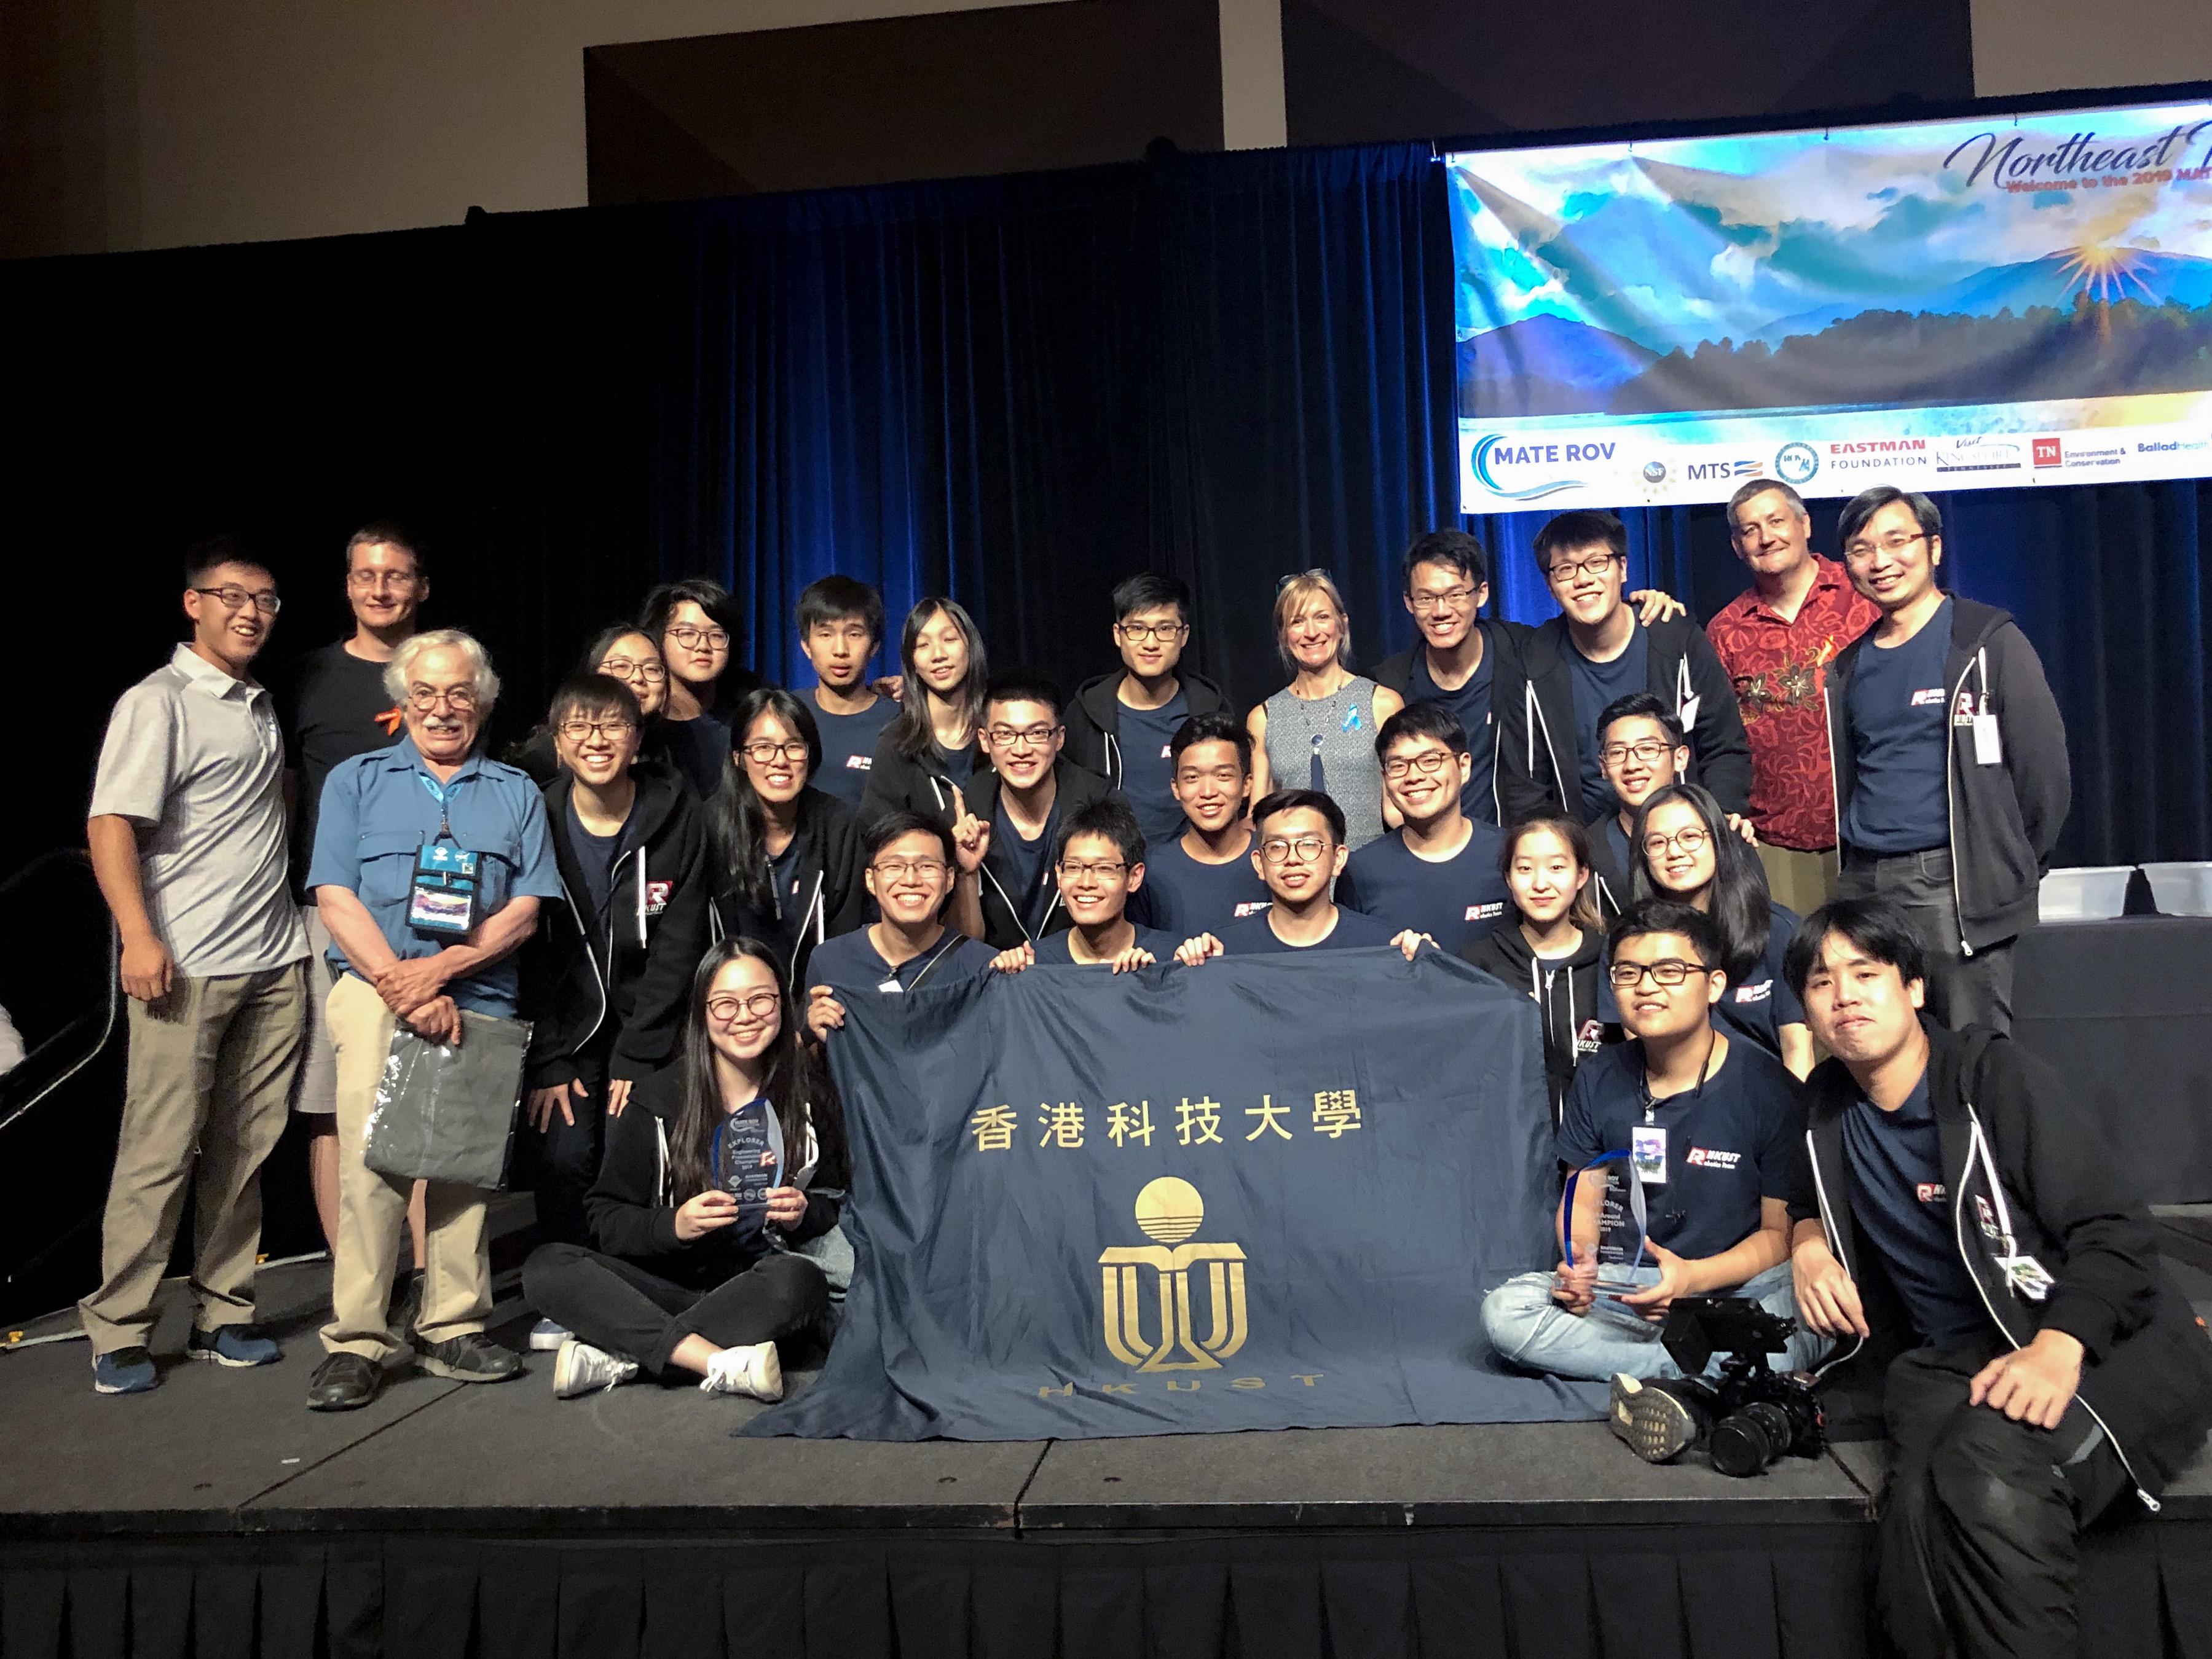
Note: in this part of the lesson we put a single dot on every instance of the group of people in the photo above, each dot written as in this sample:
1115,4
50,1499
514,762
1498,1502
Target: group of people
683,876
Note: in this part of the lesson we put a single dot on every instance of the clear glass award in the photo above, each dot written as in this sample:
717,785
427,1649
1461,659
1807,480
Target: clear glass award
748,1162
1606,1230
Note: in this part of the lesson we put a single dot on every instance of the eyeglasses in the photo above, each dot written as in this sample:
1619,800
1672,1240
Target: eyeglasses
759,1004
1897,543
622,669
1015,737
898,869
376,581
1668,971
691,638
761,752
612,731
1565,569
1281,849
1145,633
1426,604
1648,750
1689,840
424,699
1103,870
1428,762
239,598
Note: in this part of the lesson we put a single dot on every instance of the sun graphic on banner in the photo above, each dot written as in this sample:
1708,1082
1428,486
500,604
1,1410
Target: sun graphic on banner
2104,274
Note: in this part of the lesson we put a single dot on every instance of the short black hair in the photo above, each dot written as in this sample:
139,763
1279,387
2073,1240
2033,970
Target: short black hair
1572,531
893,824
1645,705
1427,718
1295,800
1879,927
1211,729
392,533
1022,685
591,694
228,548
1455,549
1867,503
834,599
710,596
1107,816
1667,915
1147,588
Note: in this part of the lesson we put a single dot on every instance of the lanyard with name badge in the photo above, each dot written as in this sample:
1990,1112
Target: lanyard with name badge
892,983
1647,1141
441,903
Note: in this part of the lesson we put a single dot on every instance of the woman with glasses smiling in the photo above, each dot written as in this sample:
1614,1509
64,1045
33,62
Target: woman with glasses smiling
1685,849
787,854
624,653
729,1161
696,624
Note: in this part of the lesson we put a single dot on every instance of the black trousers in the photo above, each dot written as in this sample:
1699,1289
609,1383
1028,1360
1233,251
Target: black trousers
617,1306
1979,1550
559,1166
1962,990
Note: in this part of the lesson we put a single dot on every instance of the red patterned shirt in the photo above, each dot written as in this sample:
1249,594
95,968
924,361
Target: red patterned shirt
1778,668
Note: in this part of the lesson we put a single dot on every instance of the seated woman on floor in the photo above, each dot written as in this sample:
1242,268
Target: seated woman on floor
721,1165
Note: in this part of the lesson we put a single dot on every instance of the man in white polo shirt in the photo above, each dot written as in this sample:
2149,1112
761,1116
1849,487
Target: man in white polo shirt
187,839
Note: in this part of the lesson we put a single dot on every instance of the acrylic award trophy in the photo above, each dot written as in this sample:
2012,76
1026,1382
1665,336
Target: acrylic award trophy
748,1162
1609,1192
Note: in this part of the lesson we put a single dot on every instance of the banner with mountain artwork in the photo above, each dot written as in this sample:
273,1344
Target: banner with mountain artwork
1954,304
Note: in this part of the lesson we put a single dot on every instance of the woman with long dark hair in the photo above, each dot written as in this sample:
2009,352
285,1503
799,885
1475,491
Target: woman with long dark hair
1684,849
1554,946
787,855
621,652
928,753
696,625
702,1198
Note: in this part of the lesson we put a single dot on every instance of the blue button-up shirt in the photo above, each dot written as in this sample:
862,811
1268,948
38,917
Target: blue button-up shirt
378,810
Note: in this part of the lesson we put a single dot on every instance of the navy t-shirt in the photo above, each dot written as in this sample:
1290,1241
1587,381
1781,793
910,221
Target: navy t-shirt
1597,687
1471,705
848,747
1143,739
850,961
1904,1210
1760,1006
1054,950
1901,735
700,748
959,763
1186,898
595,856
1256,937
1455,902
1729,1145
1024,868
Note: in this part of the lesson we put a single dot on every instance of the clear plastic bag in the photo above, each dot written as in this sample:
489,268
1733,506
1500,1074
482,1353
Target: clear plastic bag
447,1112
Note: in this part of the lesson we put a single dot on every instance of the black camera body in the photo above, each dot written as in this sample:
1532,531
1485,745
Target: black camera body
1757,1416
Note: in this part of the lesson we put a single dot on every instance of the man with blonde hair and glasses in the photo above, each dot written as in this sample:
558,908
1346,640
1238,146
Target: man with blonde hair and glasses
382,814
1952,780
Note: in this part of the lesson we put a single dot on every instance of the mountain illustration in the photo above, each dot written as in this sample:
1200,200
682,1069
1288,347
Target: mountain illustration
2143,275
1545,365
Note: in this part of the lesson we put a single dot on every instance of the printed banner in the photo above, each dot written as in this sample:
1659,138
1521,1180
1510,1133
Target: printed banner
1257,1194
1952,305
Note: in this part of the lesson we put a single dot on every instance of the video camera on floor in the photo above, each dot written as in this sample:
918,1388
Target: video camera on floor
1753,1416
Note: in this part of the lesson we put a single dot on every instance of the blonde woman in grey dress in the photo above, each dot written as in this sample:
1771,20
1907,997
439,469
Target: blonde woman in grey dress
1318,732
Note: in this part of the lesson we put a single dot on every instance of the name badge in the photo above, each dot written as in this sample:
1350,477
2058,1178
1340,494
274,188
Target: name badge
442,901
1647,1152
1989,748
2026,1275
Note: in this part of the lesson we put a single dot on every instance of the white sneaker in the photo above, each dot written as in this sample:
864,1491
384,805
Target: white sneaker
580,1368
755,1373
547,1335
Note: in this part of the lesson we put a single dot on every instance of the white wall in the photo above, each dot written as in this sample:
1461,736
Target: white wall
2055,46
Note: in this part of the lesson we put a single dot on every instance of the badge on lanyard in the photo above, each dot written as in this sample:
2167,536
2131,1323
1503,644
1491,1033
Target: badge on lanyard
1647,1152
443,901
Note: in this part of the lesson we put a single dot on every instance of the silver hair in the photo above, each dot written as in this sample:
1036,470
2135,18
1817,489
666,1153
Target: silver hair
401,669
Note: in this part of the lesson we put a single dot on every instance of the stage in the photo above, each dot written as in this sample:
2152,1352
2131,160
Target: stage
217,1515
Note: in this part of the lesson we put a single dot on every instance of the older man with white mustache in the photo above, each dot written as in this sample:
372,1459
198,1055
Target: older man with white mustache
396,958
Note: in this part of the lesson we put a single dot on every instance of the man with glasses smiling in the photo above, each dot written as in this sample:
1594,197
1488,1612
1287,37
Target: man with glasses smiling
187,833
1437,875
911,866
1100,865
1297,847
1952,780
382,813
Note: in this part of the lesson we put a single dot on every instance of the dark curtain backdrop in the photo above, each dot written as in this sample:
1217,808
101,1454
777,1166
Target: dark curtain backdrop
1014,391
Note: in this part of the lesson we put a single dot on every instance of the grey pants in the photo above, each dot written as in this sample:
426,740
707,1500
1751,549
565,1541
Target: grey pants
1963,989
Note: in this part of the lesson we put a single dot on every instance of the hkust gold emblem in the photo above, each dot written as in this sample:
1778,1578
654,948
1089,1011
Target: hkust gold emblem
1168,1211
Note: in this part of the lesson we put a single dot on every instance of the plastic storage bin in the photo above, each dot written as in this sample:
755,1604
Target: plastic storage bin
2181,889
2092,893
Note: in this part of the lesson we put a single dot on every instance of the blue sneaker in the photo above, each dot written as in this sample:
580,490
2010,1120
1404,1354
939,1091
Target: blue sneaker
234,1345
124,1370
547,1335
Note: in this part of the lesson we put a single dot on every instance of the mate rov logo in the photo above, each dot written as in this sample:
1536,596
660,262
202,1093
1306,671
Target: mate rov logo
1168,1211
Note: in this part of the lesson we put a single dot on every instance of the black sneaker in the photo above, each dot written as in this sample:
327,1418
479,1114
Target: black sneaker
343,1382
474,1357
1662,1418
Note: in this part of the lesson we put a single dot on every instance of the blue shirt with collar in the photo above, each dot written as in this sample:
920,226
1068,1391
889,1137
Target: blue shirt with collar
379,809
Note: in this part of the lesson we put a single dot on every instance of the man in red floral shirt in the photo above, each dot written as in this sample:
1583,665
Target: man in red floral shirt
1776,641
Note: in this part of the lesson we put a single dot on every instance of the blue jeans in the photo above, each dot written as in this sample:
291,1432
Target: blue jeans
1528,1329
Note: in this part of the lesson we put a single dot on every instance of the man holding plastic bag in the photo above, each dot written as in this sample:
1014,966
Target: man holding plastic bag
428,863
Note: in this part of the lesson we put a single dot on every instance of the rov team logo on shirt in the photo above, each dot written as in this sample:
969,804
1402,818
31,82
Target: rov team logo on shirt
1489,912
1252,907
1928,697
1931,1192
859,762
1757,993
1708,1158
656,896
1985,1215
1156,1278
1964,710
1591,1038
1167,751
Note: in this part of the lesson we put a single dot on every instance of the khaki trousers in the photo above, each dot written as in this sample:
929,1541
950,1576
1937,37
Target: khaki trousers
373,1210
1803,881
210,1080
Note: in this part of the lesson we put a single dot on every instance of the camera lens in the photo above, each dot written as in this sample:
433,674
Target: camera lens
1745,1442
